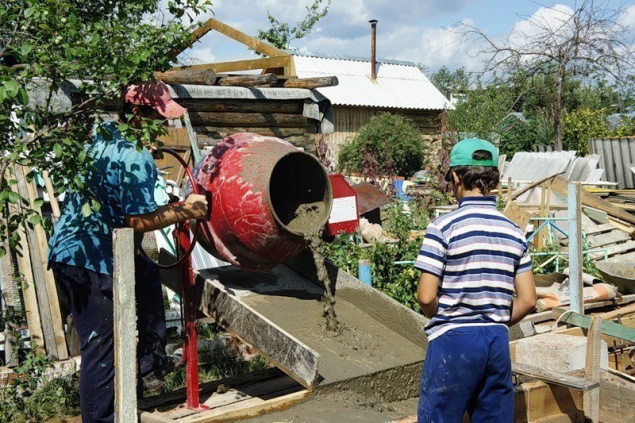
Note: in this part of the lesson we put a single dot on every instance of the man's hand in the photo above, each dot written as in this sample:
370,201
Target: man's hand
198,205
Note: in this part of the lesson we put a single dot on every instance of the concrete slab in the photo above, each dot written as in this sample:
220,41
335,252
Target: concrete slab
556,352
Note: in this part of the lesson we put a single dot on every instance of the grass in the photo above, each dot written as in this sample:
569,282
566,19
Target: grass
30,397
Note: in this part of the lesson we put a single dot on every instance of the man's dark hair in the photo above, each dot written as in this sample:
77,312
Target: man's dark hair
485,178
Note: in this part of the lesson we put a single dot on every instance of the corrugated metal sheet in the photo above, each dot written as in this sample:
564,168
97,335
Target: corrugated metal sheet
616,156
526,166
399,85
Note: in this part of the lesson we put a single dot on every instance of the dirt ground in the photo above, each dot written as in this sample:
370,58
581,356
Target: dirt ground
340,407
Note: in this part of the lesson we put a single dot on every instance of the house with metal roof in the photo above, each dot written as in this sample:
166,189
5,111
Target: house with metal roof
364,90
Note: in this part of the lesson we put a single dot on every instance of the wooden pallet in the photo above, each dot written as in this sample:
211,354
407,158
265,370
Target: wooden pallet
227,403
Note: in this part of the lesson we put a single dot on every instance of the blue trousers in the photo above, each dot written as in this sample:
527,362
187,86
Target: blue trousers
467,369
90,297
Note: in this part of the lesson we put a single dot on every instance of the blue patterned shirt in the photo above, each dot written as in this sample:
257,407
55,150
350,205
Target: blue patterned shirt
123,180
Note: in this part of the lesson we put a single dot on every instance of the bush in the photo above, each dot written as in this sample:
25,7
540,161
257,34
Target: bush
387,145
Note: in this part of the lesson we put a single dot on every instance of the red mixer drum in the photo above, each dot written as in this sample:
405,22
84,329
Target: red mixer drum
267,195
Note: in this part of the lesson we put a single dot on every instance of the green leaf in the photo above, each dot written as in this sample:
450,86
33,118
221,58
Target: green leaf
58,150
35,219
14,197
86,210
38,203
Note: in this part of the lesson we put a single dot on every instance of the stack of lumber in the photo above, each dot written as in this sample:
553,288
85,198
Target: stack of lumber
27,266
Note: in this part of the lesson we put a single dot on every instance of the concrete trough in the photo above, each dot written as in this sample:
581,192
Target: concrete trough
379,352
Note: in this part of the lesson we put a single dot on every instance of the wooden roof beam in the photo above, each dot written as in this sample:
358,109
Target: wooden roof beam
240,65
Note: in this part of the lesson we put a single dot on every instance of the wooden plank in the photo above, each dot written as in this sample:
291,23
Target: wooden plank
540,402
592,369
233,33
560,186
7,304
240,65
312,83
256,390
554,377
248,119
605,227
513,195
28,287
608,328
613,250
265,79
517,215
220,132
617,402
187,76
50,317
125,326
290,355
50,191
250,408
48,278
607,238
243,106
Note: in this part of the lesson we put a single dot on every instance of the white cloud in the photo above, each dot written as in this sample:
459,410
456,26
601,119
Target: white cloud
407,29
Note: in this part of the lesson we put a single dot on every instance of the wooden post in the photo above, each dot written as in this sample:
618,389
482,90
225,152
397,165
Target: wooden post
509,190
592,370
48,279
575,248
50,191
187,76
28,287
311,83
45,289
7,305
266,79
125,326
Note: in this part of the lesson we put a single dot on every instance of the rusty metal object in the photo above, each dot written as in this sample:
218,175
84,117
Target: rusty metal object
369,197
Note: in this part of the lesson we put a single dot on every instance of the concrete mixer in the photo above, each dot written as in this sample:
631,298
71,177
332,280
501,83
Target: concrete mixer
266,195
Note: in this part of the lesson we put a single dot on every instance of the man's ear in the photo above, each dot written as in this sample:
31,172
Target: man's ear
456,179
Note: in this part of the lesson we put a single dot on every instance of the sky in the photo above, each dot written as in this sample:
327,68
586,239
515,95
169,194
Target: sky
409,30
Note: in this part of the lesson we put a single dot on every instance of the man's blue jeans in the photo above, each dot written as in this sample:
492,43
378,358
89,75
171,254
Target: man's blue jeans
90,297
467,369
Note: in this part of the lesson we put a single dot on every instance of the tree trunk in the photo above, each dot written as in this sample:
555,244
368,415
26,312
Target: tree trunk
557,110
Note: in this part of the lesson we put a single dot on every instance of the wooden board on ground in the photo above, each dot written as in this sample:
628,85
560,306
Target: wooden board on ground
230,403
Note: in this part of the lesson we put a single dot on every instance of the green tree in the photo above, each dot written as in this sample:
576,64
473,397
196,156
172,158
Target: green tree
585,42
451,82
100,45
280,34
482,109
582,124
387,145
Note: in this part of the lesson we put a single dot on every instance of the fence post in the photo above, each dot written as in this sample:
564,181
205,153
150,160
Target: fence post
575,248
125,326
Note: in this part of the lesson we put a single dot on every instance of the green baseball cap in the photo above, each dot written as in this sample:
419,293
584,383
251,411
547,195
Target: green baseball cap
462,153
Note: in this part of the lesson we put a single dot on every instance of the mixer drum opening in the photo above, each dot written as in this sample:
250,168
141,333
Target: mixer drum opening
300,193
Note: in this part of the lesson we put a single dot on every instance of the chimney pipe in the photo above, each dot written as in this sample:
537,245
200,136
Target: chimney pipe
373,49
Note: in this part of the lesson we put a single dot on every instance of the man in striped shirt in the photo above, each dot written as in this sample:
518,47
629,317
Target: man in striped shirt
476,281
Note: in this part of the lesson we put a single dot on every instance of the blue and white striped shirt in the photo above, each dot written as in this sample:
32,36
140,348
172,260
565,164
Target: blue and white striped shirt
476,252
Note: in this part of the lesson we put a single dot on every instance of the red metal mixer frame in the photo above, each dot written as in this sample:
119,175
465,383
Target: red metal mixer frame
185,246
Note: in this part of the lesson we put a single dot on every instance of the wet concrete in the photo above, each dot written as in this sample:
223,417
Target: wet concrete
368,356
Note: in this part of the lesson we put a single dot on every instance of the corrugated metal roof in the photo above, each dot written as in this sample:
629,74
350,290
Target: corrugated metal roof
399,85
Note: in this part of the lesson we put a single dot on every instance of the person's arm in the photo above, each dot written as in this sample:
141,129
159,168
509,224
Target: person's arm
525,300
427,294
194,207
